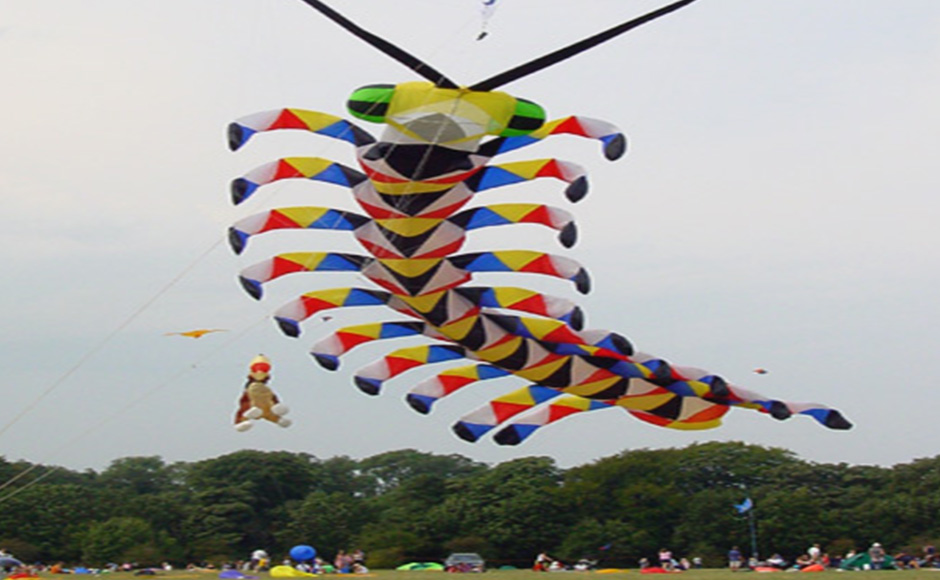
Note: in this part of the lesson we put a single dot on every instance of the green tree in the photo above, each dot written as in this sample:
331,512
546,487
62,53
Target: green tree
269,478
244,493
709,524
731,466
516,506
51,517
215,524
140,475
612,543
342,475
125,539
387,471
328,521
388,547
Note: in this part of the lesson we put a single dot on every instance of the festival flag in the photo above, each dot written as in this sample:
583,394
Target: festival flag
745,506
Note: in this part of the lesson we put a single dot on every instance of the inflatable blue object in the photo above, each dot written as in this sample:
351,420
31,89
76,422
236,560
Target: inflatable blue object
303,552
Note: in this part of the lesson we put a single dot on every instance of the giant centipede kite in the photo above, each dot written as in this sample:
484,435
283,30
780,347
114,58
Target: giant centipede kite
414,185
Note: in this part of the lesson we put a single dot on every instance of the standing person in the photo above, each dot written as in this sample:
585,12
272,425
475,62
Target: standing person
815,553
734,559
877,556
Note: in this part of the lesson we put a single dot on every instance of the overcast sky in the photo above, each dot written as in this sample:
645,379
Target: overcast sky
777,209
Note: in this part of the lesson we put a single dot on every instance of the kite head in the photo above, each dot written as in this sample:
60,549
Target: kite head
259,369
453,117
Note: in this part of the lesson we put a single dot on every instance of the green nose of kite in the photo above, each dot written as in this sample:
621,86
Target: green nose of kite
370,102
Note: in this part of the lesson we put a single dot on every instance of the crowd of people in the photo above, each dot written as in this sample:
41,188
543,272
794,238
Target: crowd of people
15,569
260,561
545,563
874,558
667,562
343,562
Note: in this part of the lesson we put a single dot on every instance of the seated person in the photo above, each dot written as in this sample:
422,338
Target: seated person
777,561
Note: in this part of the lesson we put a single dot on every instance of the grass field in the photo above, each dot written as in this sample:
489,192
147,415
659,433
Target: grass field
704,574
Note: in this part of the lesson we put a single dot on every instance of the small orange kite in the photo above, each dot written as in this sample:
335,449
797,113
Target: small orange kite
198,333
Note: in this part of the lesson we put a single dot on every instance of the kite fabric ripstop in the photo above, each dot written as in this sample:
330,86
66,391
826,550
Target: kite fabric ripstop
414,185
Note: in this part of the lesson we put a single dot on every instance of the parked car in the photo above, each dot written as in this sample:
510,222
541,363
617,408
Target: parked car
465,562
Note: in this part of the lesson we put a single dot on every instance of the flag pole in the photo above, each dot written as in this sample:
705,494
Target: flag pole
750,519
747,507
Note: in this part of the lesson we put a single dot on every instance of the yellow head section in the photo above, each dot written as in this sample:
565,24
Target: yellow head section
457,118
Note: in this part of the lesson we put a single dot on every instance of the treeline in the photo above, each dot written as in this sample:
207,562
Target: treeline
407,506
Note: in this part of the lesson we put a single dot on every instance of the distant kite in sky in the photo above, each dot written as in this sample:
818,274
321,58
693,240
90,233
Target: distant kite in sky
761,371
258,401
487,9
198,333
414,185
